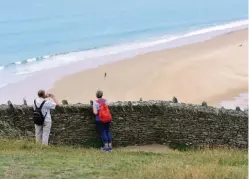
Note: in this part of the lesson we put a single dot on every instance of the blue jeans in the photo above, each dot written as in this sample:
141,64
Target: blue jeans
104,130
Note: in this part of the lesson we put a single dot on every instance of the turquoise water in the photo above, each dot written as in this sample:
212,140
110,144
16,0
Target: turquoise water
31,29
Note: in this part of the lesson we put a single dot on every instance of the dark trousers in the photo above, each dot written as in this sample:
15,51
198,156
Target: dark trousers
104,130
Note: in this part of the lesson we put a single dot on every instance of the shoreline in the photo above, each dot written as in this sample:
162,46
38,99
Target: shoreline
28,86
217,29
168,75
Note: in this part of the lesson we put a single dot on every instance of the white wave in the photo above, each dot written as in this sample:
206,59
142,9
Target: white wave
137,47
18,63
31,60
24,72
1,67
140,45
219,27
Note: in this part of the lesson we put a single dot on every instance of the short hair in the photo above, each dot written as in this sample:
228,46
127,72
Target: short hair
41,93
99,94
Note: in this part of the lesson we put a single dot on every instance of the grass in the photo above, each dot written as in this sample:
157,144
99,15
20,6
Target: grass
25,160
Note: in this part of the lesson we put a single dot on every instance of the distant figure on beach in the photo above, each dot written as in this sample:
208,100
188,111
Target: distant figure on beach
105,75
42,116
103,120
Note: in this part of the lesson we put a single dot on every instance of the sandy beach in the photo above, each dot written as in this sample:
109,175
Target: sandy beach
213,71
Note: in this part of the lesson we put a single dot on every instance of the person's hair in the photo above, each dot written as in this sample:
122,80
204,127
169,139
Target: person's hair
99,94
41,93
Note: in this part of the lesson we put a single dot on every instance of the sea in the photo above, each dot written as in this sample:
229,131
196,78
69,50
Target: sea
46,40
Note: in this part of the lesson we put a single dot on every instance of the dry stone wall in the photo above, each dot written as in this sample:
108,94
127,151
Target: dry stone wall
135,123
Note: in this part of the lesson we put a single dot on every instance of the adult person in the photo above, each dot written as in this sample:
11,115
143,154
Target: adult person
103,120
42,117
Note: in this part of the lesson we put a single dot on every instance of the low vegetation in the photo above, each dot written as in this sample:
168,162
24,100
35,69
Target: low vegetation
25,160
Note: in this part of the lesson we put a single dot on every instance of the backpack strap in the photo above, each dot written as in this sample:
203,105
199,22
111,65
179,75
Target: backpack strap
100,102
35,104
43,102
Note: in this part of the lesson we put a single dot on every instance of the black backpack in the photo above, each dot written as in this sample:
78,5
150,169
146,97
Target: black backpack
38,117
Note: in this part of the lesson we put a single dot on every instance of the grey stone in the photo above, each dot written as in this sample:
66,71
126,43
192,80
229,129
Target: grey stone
25,102
238,108
175,100
204,104
64,102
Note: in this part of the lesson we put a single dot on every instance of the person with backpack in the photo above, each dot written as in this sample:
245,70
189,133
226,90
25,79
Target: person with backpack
103,120
42,117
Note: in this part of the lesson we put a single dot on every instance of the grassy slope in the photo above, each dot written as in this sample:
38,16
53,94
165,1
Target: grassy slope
26,160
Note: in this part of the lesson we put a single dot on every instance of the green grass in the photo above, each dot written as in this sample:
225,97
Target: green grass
25,160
